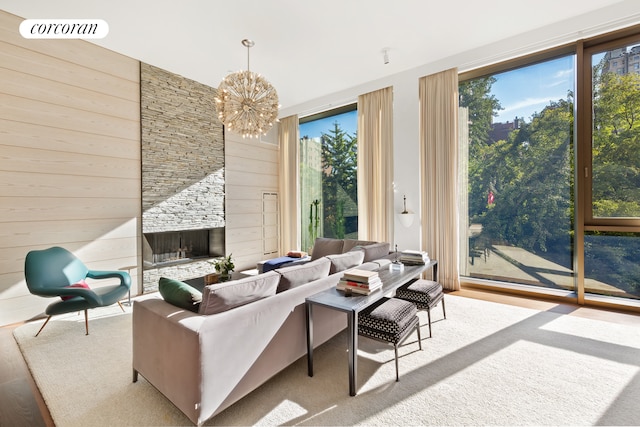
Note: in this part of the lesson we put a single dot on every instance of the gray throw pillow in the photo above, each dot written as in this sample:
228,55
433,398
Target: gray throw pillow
324,246
375,251
221,297
352,243
341,262
297,275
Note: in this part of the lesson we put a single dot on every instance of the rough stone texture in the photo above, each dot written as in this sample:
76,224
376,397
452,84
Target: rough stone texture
178,272
183,175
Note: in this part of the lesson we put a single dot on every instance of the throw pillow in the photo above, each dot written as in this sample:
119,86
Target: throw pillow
297,275
375,251
324,246
180,294
341,262
352,243
221,297
80,284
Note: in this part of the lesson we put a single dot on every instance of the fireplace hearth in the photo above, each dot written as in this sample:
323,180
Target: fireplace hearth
178,247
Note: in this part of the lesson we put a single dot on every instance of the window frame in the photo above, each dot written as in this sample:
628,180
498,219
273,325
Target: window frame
584,115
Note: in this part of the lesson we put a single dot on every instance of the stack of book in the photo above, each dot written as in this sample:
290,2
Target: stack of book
361,282
411,257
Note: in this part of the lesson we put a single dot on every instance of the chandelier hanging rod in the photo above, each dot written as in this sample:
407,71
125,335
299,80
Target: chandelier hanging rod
249,44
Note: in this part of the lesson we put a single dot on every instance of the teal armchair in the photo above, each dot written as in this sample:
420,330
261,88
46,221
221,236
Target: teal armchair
51,272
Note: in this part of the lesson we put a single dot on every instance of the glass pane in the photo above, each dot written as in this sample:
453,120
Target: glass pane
328,178
519,175
611,264
616,133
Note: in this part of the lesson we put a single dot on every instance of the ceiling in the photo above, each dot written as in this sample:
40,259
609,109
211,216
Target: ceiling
308,49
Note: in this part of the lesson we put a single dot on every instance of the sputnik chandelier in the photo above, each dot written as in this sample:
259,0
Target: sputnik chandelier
247,103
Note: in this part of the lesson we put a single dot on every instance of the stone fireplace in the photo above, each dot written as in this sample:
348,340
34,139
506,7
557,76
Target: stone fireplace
178,247
183,177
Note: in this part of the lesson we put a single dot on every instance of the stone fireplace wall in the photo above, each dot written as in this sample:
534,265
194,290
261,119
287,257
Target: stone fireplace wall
183,163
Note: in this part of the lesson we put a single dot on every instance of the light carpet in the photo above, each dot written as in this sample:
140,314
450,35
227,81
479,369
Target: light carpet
487,364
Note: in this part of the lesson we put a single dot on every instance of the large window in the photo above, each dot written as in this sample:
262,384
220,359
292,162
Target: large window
554,197
328,175
519,143
612,169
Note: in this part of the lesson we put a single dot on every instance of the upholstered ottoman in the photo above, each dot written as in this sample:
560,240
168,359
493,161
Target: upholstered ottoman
390,320
425,294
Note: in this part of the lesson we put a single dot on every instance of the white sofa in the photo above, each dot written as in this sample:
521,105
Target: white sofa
203,363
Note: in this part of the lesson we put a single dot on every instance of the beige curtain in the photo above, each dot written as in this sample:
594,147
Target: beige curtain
439,172
289,140
375,165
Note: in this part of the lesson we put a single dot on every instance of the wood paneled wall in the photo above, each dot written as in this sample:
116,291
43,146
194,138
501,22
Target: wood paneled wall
70,166
251,168
69,159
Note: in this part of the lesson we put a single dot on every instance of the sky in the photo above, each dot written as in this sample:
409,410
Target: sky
521,93
348,123
528,90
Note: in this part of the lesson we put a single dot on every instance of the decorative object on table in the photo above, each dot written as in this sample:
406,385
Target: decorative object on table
247,103
224,266
358,281
396,265
56,272
412,257
406,217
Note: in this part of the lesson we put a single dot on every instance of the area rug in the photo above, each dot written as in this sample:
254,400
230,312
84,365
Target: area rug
486,364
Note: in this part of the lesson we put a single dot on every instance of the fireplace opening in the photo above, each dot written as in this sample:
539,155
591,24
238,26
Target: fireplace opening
176,247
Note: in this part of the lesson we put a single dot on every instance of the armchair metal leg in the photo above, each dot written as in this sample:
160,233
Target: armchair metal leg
120,306
86,321
43,325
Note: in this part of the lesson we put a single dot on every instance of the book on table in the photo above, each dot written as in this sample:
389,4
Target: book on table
357,288
360,281
412,257
362,276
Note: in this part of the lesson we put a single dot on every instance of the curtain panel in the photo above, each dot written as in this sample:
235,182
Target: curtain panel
289,140
375,165
439,172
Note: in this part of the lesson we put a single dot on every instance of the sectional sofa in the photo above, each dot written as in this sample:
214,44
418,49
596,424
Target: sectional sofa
205,354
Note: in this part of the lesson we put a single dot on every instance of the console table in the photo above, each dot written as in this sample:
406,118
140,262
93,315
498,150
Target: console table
352,305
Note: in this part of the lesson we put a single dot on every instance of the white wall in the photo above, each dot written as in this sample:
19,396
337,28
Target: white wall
405,96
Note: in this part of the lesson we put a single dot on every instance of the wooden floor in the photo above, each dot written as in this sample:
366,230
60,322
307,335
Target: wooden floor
22,405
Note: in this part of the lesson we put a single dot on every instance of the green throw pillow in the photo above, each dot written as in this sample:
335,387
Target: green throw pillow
180,294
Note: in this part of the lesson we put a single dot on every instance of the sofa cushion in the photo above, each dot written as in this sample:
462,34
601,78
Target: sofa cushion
341,262
352,243
324,246
180,294
374,251
220,297
297,275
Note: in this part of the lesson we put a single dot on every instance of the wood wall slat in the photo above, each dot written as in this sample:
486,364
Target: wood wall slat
243,206
29,184
29,135
33,63
247,166
79,52
57,116
41,233
19,159
245,179
19,209
45,90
